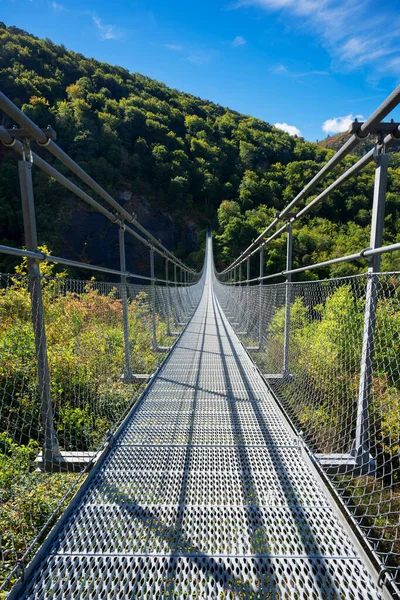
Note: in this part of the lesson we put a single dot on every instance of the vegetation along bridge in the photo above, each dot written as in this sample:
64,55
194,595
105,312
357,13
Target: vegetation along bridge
199,435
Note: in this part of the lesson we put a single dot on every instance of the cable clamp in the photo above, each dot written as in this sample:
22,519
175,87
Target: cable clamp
27,152
11,144
50,134
382,576
44,144
362,253
21,568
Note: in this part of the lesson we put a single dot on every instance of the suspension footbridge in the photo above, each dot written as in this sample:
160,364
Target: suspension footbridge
205,493
258,460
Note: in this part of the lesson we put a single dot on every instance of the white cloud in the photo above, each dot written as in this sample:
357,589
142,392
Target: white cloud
57,6
239,41
282,70
106,32
346,30
290,129
174,47
339,124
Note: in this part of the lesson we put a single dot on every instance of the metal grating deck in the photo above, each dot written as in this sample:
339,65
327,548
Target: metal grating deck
205,494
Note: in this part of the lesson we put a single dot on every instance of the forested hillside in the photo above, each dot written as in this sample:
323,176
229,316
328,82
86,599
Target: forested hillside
178,161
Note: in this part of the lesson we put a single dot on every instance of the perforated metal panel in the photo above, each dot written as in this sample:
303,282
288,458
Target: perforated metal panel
205,494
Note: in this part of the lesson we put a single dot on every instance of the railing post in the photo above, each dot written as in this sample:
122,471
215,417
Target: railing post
124,297
248,296
168,296
361,448
260,315
153,300
176,303
289,253
240,292
51,451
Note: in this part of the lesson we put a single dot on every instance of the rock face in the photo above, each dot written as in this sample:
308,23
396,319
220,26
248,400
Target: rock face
91,238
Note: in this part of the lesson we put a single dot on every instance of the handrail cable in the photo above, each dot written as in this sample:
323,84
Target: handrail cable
43,140
360,134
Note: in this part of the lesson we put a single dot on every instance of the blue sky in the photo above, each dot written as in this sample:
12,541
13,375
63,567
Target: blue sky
310,65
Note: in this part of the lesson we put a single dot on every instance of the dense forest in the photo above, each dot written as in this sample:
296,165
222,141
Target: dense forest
195,161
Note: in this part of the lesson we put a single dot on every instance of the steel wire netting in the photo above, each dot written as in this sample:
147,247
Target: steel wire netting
89,388
307,338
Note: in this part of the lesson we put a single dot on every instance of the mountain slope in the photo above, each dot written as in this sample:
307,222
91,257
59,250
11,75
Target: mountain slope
177,161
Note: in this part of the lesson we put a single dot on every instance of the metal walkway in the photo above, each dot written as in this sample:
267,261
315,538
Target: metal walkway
205,494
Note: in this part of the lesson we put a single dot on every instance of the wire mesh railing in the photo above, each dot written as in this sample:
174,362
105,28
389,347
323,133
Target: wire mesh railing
75,355
330,352
315,368
90,393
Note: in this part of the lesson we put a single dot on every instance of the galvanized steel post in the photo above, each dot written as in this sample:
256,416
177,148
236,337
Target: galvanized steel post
168,296
51,451
260,302
361,448
289,252
124,297
153,300
248,295
240,307
176,293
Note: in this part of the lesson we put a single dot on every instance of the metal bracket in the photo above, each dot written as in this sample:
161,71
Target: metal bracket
110,439
27,152
17,133
21,568
381,577
380,128
136,377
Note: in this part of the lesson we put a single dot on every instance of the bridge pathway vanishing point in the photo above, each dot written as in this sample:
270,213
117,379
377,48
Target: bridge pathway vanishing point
204,494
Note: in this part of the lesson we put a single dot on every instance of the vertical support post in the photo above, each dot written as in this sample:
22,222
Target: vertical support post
361,445
168,296
153,301
260,303
51,451
248,296
124,297
240,291
289,254
185,295
176,302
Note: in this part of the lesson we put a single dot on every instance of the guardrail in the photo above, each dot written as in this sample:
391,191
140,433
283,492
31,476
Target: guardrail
271,319
76,354
19,139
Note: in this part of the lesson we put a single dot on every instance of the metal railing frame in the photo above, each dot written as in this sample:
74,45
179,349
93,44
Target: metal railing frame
360,450
19,140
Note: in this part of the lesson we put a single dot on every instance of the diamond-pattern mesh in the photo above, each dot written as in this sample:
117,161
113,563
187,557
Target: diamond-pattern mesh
89,392
307,338
206,493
